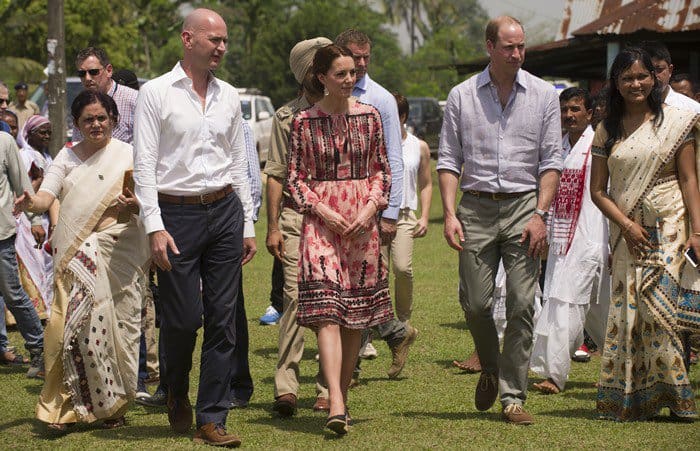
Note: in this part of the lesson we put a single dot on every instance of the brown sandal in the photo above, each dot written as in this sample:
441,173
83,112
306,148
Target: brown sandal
114,423
10,358
547,387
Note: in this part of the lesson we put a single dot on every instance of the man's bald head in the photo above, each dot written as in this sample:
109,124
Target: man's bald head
201,19
204,38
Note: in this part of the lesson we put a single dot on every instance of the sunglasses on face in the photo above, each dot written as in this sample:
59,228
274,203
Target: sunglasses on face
92,72
4,101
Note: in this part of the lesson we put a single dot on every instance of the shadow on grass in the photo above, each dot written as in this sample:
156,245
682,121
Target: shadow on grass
581,413
460,325
136,433
451,416
306,379
268,352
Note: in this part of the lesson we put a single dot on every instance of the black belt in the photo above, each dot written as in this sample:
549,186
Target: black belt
201,199
497,196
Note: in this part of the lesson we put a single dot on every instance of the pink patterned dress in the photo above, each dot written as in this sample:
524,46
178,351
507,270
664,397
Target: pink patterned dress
339,160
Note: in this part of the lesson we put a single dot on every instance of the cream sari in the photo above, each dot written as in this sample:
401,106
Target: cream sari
92,337
657,296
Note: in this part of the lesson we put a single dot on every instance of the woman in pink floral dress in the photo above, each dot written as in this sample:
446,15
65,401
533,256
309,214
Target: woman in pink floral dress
339,178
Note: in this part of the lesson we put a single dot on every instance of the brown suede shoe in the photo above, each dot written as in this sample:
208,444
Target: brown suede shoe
179,414
285,405
322,405
399,353
215,435
515,414
486,391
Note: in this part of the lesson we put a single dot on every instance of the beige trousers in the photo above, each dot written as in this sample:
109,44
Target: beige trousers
400,253
291,335
148,326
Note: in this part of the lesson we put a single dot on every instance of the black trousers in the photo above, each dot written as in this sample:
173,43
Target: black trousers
277,285
210,241
241,381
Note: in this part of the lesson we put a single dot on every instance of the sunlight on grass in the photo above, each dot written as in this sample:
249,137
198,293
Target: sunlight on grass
430,405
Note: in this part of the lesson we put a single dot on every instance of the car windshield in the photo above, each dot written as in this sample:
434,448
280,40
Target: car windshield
246,109
415,109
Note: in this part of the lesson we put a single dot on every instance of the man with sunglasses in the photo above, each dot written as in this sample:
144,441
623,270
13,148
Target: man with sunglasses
95,72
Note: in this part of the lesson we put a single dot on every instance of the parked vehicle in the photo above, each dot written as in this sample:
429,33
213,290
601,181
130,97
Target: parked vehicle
425,120
258,111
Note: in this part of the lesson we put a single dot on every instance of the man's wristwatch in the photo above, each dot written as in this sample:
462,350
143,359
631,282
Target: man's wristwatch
544,214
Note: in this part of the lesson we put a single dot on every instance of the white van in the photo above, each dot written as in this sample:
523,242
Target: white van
258,111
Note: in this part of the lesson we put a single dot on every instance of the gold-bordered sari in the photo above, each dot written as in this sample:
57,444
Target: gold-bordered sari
657,296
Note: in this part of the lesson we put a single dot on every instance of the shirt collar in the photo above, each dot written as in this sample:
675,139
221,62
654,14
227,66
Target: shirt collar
484,78
362,83
179,75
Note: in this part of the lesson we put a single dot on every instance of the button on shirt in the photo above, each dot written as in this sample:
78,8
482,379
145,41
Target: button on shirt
182,150
370,92
501,150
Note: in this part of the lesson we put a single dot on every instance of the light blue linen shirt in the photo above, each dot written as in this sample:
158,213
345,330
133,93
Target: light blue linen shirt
501,150
370,92
253,169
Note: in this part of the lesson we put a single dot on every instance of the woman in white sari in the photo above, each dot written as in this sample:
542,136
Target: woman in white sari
36,264
100,260
649,152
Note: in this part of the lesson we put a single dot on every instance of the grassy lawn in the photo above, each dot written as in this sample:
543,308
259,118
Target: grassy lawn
430,405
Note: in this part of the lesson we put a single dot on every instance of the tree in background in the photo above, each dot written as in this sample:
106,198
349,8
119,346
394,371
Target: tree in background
143,35
264,64
452,32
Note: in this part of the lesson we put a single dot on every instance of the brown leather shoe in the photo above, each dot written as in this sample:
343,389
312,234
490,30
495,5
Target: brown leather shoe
515,414
216,435
486,391
179,414
399,353
322,405
285,405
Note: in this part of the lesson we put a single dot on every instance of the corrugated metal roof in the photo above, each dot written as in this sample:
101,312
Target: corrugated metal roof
662,16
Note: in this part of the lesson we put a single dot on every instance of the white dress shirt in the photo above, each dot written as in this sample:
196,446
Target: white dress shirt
680,101
182,150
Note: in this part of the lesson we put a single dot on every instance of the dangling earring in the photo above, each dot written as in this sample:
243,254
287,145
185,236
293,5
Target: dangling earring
325,91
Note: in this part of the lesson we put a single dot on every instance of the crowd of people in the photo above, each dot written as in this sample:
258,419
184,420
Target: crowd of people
150,214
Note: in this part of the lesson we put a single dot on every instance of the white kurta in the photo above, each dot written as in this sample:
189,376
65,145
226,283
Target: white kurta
573,281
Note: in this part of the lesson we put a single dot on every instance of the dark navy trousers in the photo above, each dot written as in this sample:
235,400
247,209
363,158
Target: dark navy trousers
210,241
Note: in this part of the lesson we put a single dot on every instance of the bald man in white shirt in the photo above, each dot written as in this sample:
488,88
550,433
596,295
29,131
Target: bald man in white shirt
190,169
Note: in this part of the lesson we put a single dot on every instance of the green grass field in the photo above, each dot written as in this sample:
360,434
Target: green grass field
429,406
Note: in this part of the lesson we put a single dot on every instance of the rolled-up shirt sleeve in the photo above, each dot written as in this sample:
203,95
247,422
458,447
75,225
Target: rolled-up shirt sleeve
550,142
146,146
450,155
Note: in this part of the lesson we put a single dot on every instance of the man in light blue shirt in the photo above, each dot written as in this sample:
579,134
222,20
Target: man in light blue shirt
501,145
398,336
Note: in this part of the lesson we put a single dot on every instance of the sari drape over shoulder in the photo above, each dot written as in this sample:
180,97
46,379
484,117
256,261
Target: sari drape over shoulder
93,333
657,296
